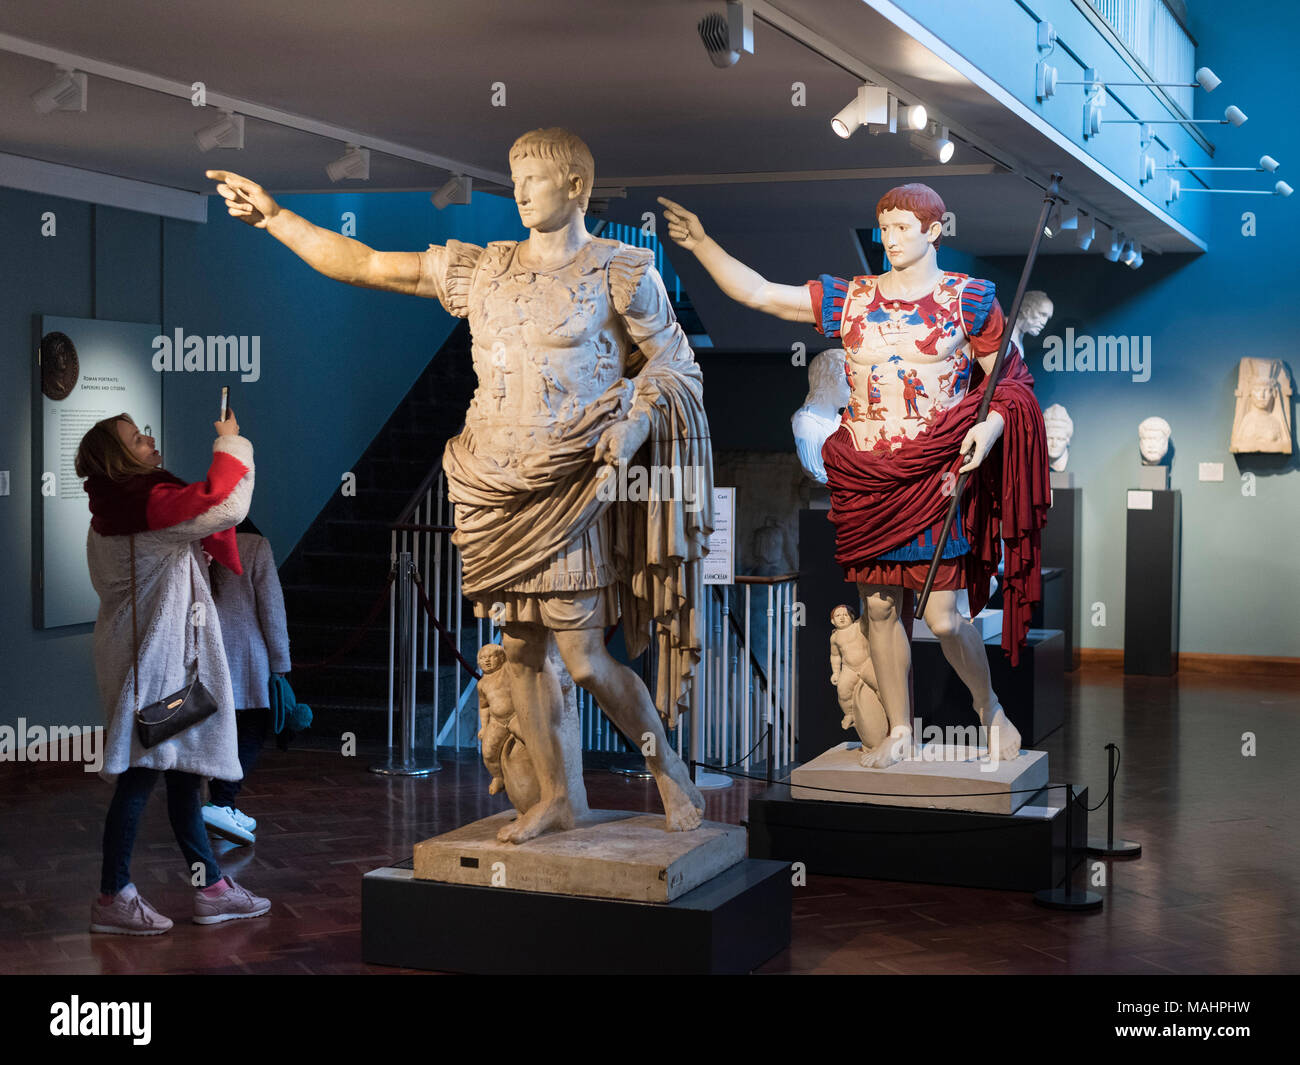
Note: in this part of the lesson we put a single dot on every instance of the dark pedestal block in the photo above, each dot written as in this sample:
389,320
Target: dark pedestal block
822,587
1062,548
731,924
1151,586
1032,694
1024,851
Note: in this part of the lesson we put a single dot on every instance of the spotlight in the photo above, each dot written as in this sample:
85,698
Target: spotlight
1175,190
227,132
1086,232
913,116
725,38
934,142
1134,262
1129,253
1235,115
458,190
67,92
1207,79
1112,253
353,163
1268,163
869,107
1282,189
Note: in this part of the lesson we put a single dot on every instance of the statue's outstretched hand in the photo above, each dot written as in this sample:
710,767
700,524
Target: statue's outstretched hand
683,227
979,440
245,199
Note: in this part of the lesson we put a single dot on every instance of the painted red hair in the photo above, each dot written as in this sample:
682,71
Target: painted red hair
921,200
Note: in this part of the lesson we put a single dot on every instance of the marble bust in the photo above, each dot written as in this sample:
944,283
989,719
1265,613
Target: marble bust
1262,419
828,395
1153,440
1060,431
1035,309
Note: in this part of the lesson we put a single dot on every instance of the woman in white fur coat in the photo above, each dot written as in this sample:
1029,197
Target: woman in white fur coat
138,507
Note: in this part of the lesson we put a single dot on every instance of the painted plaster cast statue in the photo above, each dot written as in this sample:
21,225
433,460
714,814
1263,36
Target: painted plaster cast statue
1060,431
855,682
581,367
918,342
1035,309
828,395
1153,440
1262,420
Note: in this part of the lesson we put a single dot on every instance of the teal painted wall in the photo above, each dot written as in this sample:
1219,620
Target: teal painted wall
335,361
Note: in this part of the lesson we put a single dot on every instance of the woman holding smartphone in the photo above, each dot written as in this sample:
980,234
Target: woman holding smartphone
148,532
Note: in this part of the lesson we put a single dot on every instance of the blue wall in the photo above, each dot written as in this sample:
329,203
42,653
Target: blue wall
335,361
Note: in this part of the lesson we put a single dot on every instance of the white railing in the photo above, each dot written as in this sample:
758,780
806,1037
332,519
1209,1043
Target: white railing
747,674
746,677
1149,30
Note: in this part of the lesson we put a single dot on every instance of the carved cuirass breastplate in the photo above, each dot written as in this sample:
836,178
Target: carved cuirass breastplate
545,344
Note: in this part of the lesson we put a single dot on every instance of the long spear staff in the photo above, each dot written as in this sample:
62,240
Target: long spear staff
1049,201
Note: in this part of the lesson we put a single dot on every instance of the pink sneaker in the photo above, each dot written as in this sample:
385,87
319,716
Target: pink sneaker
127,915
235,904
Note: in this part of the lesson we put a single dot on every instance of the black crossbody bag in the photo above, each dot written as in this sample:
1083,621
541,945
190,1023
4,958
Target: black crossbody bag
164,719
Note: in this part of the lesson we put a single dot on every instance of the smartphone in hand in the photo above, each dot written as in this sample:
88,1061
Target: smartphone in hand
225,401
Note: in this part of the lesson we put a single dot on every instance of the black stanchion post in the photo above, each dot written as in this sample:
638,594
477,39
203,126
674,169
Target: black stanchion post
1110,847
1066,898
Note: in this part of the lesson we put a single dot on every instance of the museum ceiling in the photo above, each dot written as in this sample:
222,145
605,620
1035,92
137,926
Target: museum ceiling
631,77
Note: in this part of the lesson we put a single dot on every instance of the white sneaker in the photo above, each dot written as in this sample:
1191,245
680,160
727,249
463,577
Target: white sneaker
242,819
221,820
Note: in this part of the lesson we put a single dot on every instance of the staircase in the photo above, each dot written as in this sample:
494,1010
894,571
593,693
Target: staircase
332,578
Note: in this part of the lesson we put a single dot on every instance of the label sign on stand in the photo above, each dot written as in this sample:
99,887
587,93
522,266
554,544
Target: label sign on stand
720,565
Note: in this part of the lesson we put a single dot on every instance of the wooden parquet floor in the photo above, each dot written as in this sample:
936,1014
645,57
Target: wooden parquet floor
1217,889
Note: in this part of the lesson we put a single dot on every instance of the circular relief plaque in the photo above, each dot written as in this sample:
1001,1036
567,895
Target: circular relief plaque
59,366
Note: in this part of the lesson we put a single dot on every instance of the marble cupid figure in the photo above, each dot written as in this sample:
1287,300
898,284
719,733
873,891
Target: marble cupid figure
581,367
919,342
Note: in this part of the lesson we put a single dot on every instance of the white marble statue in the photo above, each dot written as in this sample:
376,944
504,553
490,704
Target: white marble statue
581,367
1262,419
1153,440
1060,431
855,682
1035,309
828,395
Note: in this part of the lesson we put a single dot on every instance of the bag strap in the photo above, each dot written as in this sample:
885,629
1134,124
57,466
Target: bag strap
135,638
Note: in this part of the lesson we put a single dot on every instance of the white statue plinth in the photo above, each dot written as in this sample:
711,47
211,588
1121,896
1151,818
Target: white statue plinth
610,854
968,781
1061,478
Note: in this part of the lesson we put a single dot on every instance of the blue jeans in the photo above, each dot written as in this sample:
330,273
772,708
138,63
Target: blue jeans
252,725
183,810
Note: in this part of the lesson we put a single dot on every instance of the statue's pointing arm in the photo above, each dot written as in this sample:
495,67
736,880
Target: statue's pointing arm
737,280
327,252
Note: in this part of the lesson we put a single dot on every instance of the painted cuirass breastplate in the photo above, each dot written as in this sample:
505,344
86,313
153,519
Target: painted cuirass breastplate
545,345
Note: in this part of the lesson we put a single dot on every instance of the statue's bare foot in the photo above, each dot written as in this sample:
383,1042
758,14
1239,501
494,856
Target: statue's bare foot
683,803
893,748
553,816
496,785
1004,737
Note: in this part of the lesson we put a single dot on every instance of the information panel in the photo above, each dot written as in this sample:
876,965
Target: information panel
720,565
86,370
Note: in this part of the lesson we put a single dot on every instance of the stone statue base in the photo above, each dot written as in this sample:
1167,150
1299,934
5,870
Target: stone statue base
611,854
1154,478
934,771
1061,478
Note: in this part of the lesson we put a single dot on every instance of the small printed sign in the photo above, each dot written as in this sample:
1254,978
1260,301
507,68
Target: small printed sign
720,565
1139,499
1210,471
